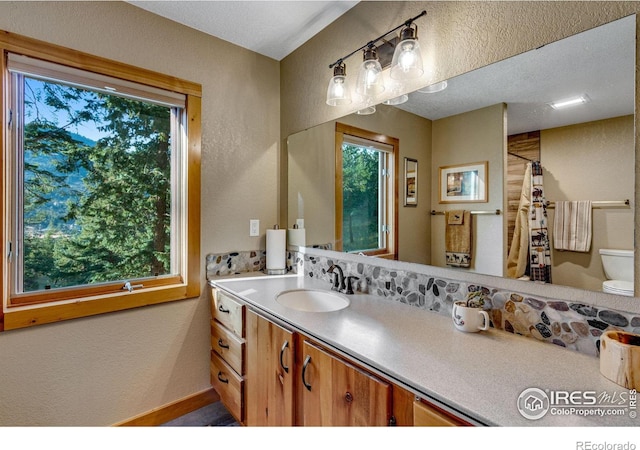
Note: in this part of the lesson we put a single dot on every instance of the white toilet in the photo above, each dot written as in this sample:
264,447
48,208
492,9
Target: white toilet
618,268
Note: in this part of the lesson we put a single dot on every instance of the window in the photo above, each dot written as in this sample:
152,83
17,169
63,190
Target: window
366,192
101,187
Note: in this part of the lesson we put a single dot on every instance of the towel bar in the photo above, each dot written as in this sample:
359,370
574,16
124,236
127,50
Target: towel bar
495,212
601,204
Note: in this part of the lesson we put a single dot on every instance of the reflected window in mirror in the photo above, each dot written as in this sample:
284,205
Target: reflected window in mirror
366,192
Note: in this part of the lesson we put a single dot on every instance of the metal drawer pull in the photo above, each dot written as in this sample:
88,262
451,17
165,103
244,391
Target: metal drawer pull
304,371
348,397
221,344
222,310
284,347
222,379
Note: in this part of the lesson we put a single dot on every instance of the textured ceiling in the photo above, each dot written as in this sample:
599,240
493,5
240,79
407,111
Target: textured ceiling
598,62
271,28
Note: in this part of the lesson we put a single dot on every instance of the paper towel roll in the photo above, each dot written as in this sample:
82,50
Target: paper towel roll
276,251
296,236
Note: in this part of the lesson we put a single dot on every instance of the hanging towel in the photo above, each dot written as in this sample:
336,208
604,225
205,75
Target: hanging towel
539,248
519,249
572,226
458,238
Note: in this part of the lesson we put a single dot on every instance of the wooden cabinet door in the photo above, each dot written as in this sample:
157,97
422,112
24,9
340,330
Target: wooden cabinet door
280,400
335,393
270,373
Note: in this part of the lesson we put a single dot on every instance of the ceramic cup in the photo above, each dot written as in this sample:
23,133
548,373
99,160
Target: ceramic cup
469,319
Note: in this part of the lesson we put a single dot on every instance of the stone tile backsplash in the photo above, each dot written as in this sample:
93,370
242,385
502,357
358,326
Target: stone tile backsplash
221,264
572,325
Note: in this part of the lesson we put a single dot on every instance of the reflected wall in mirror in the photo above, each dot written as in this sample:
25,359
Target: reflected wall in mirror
502,114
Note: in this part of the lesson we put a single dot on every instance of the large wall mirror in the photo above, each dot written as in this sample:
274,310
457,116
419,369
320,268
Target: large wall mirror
501,115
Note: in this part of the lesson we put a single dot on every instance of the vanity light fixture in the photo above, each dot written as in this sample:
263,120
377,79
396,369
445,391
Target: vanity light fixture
370,83
366,111
407,62
433,88
338,90
399,100
568,102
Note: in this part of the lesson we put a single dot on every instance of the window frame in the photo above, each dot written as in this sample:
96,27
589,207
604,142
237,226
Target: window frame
74,302
391,250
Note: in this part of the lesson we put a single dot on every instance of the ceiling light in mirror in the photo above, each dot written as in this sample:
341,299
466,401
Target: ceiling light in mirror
569,102
433,88
397,100
366,111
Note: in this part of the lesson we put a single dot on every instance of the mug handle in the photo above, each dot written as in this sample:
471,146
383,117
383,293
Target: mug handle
486,320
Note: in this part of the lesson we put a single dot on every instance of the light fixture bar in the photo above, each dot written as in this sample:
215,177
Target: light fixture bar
569,102
373,42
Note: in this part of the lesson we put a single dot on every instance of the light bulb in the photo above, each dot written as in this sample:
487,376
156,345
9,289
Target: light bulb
407,60
338,89
369,82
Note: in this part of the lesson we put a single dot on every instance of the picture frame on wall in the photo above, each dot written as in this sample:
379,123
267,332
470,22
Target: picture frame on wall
464,183
410,182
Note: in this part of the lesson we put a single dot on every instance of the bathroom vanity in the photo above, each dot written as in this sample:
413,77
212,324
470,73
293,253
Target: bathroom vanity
409,363
285,377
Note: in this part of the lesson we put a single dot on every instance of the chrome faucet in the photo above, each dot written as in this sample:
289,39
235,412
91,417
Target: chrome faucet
338,280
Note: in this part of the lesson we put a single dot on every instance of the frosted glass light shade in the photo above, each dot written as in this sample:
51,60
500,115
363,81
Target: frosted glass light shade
369,82
338,91
399,100
366,110
407,60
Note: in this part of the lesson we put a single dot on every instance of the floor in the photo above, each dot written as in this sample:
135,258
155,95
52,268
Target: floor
213,415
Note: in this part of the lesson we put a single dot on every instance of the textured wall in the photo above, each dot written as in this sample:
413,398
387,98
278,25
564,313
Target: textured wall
455,37
105,369
471,137
602,159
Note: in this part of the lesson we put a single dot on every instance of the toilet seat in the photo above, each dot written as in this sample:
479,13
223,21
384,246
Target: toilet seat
618,287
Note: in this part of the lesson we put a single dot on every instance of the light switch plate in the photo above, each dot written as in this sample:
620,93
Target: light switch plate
254,227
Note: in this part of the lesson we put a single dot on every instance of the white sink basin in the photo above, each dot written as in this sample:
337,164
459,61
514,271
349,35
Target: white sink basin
312,300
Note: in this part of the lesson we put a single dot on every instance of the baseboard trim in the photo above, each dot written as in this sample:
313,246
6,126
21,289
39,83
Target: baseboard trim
172,410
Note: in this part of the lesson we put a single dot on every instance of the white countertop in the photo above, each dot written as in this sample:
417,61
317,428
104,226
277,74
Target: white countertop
478,374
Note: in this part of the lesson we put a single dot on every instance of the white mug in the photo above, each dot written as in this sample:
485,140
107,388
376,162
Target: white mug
469,319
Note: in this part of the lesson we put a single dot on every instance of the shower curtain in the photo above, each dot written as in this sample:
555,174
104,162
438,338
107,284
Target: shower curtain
530,254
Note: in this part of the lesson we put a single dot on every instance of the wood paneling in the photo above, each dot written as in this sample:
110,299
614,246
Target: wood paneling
527,148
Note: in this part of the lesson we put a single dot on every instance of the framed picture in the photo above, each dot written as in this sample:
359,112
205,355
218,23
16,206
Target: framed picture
410,182
466,183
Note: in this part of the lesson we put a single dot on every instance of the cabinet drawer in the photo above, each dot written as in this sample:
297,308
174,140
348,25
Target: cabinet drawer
229,386
227,311
228,346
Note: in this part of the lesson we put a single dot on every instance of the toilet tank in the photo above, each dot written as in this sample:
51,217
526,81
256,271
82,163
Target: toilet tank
617,264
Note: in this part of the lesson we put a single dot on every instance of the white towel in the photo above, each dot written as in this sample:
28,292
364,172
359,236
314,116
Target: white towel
572,226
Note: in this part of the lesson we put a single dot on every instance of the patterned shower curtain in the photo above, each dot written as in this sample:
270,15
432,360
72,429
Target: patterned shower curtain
539,248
